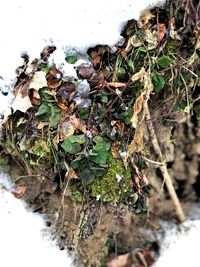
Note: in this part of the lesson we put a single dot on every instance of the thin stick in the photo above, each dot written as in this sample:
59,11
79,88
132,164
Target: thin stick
163,169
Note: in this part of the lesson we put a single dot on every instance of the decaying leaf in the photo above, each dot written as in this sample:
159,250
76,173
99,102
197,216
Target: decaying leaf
145,19
161,29
22,100
133,41
18,191
72,175
38,81
137,142
85,71
115,84
115,149
139,75
120,261
54,78
137,109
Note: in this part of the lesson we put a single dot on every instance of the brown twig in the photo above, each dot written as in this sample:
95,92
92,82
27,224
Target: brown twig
163,168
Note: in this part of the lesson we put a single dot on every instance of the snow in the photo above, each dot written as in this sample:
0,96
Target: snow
28,26
180,246
25,239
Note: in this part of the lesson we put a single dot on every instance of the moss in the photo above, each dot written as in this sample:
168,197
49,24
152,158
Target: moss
75,193
114,185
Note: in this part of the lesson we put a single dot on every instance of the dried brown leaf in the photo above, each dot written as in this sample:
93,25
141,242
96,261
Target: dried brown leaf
120,261
85,71
18,191
22,100
38,81
137,109
161,29
139,75
116,84
145,19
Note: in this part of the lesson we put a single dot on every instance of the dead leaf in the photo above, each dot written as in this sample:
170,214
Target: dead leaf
54,78
145,19
72,175
139,75
65,129
22,100
115,84
137,142
120,261
133,41
161,29
18,191
137,109
115,149
85,71
42,125
38,81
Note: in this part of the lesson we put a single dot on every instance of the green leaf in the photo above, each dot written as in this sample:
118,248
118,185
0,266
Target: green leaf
100,158
43,109
158,81
127,119
71,59
84,113
71,148
142,49
87,176
78,162
104,99
45,69
55,116
99,153
122,74
80,139
164,61
102,142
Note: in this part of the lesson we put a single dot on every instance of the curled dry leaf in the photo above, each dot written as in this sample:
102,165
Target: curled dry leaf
139,75
161,29
18,191
22,101
54,78
137,109
115,149
120,261
72,175
145,19
85,71
38,81
137,142
116,84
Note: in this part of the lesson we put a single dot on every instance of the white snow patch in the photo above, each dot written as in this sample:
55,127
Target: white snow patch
24,238
180,246
118,177
28,26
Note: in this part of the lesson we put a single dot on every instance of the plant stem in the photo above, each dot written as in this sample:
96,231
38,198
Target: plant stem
163,169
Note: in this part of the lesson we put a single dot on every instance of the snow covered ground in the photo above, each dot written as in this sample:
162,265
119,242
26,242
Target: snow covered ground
25,240
28,26
180,246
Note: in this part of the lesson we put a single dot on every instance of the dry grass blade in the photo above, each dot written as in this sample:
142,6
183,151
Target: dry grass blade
163,169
